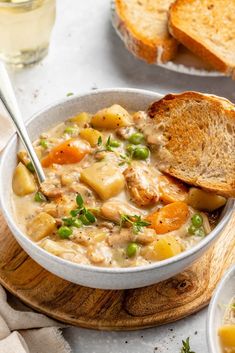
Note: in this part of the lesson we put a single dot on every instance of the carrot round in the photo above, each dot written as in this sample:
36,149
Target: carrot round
168,218
67,152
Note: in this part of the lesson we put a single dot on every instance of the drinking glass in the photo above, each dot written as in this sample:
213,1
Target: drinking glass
25,30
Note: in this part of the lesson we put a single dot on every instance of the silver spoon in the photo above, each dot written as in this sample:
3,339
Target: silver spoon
9,101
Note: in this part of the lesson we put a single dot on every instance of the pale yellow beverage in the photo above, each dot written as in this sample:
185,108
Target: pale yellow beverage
25,29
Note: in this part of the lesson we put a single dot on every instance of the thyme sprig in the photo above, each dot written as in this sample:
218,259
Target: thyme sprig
186,346
136,222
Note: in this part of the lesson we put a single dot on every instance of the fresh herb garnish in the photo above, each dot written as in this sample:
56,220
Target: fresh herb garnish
186,347
81,216
82,212
30,167
125,159
69,94
39,197
99,143
111,144
136,222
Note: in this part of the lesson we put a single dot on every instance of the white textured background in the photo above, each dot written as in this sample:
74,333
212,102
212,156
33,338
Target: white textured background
86,54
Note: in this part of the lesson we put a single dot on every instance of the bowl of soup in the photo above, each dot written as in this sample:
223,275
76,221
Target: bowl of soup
221,316
105,217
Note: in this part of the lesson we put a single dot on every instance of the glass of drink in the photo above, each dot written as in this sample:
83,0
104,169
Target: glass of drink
25,30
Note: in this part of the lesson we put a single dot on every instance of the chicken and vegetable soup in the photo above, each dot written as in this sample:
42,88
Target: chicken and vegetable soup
104,201
227,330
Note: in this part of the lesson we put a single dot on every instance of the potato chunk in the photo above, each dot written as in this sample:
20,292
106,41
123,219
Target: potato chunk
111,118
227,336
23,182
91,136
203,200
164,247
81,119
41,226
104,178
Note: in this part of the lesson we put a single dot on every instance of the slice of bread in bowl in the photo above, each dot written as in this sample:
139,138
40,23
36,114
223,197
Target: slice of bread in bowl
193,135
143,26
207,28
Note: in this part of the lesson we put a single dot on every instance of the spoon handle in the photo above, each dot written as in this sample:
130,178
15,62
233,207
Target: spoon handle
9,101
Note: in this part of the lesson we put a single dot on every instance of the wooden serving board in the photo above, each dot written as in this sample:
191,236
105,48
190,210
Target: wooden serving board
133,309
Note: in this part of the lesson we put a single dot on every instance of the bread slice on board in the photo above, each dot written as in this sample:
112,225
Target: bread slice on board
196,140
142,25
207,28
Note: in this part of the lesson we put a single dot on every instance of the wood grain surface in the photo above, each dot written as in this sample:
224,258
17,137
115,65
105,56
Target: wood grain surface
133,309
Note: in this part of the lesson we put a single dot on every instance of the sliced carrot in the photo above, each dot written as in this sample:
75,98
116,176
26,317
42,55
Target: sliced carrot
67,152
172,190
168,218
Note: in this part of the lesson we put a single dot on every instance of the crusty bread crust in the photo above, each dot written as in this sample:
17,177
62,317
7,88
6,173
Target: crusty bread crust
159,51
199,140
196,45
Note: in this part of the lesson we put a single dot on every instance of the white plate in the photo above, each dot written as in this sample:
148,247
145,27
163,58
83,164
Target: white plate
185,62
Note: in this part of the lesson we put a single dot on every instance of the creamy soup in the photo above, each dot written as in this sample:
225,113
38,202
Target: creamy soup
227,331
104,201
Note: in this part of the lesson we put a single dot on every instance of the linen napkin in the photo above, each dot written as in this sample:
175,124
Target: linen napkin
22,330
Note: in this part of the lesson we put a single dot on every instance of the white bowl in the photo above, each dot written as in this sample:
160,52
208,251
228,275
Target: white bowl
92,276
222,296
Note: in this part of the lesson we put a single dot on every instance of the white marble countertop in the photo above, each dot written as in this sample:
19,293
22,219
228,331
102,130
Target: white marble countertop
86,54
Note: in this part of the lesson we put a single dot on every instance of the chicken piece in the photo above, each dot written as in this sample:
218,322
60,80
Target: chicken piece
69,178
95,254
23,157
61,206
87,194
51,188
152,132
126,235
142,184
125,132
146,236
113,210
120,238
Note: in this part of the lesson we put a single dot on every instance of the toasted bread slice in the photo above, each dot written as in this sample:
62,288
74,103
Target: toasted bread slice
207,28
196,140
142,25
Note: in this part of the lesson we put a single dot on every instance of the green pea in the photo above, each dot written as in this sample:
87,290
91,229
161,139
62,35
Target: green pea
39,197
141,153
136,138
131,249
114,143
197,220
192,230
200,232
70,130
65,232
44,143
30,167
